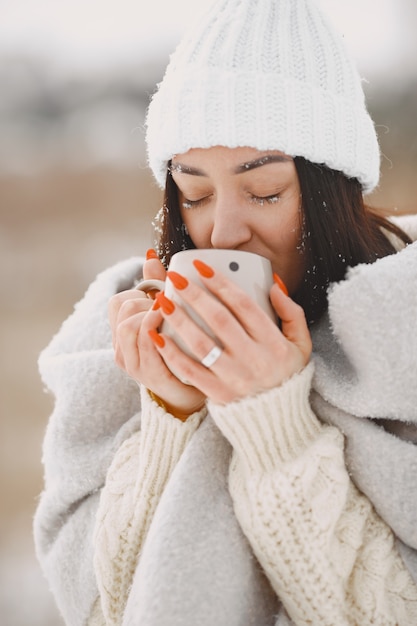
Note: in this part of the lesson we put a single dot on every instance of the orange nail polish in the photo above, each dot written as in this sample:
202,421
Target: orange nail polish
179,281
280,284
166,304
156,338
203,269
155,305
151,254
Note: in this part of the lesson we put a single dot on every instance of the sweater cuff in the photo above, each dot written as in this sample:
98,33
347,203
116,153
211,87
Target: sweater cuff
273,427
164,437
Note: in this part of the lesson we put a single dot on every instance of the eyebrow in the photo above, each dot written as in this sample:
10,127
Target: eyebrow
259,162
239,169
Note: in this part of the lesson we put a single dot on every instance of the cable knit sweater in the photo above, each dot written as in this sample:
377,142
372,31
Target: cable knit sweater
297,506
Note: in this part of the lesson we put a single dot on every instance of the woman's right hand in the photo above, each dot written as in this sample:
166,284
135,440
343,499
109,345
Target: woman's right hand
131,317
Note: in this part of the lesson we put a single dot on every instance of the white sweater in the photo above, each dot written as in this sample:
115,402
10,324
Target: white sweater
159,524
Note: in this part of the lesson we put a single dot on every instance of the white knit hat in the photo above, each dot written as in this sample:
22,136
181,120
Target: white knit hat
268,74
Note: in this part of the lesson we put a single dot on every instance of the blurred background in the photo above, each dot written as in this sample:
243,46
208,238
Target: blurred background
75,194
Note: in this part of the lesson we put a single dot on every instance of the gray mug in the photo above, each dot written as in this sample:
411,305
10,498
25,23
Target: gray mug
250,271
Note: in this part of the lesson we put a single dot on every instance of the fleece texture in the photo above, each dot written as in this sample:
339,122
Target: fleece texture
297,506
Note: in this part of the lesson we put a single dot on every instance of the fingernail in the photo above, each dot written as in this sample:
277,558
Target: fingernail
179,281
280,284
156,304
156,338
203,269
151,254
166,304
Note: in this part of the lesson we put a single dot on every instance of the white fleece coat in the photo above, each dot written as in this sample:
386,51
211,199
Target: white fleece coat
256,511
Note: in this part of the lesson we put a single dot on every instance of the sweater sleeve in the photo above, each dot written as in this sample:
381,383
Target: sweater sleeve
134,484
327,554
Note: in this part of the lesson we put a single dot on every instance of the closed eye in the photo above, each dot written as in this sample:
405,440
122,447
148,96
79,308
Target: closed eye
259,200
262,200
193,204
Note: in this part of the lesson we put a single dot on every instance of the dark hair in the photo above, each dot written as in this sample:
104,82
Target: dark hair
337,231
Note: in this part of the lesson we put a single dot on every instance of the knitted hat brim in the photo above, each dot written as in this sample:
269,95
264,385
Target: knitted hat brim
298,119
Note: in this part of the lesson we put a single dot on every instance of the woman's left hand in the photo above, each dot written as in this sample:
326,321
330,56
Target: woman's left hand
257,355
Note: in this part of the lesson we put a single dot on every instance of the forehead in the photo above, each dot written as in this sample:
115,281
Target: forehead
240,153
199,161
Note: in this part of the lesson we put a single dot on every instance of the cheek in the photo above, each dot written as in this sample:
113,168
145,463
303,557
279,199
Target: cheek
284,242
293,241
199,227
294,235
285,231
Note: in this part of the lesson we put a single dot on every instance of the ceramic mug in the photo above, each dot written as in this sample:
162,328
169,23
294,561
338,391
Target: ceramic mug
250,271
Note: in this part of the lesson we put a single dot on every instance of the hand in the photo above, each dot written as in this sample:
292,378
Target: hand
257,355
131,317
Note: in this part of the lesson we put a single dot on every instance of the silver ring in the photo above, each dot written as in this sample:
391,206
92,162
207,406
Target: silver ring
211,357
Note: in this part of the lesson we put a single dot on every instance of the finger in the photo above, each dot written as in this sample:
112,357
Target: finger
130,348
186,367
153,268
228,376
170,385
230,303
133,306
117,300
126,303
293,321
192,337
126,354
207,380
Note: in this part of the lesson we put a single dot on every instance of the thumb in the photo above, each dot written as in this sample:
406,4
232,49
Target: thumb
153,268
293,322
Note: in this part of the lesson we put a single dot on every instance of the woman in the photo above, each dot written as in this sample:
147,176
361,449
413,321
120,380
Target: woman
278,485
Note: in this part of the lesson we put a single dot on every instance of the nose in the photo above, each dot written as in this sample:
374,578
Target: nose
231,225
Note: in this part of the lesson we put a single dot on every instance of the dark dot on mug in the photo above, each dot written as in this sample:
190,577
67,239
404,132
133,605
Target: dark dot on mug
234,266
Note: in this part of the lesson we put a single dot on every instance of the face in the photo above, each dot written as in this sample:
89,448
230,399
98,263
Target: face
243,199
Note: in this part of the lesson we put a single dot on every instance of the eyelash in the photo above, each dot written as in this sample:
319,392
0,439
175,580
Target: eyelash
191,204
259,200
262,200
